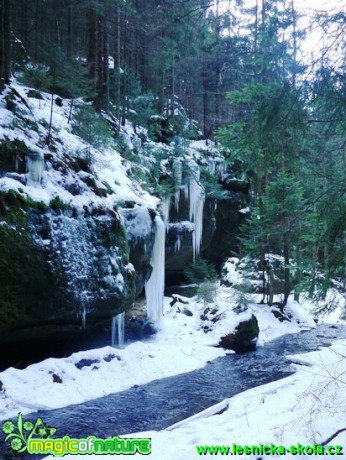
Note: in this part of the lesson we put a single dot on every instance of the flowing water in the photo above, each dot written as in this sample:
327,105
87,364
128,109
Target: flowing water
161,403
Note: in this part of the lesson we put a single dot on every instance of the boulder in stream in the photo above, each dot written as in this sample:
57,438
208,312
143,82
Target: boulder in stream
244,337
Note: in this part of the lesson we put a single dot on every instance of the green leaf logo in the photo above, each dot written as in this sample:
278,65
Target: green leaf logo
25,431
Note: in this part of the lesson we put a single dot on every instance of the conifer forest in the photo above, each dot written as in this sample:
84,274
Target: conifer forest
173,227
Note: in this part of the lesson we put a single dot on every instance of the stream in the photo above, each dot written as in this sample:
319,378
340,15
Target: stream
163,402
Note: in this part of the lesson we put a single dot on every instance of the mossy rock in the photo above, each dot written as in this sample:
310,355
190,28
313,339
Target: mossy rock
23,276
58,204
12,154
243,338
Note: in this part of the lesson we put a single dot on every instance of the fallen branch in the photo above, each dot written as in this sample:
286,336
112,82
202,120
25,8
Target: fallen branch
333,436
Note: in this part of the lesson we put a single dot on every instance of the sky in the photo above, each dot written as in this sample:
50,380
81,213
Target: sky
310,48
321,5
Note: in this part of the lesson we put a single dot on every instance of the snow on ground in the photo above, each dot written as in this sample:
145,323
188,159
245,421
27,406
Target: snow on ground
107,165
330,310
138,363
180,346
304,408
313,402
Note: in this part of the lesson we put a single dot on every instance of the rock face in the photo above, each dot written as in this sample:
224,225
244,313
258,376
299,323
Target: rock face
179,241
243,338
221,221
77,217
62,272
140,233
225,238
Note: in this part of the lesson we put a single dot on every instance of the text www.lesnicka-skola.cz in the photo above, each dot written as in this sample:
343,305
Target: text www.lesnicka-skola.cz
271,449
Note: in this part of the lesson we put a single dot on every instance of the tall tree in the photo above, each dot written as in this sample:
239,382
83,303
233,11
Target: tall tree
5,41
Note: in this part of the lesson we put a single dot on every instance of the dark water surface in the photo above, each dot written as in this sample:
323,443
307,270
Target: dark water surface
161,403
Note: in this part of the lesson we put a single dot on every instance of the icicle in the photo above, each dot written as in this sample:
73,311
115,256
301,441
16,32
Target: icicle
221,169
212,166
118,330
34,166
197,199
177,244
178,177
177,198
186,191
154,287
83,318
165,206
114,322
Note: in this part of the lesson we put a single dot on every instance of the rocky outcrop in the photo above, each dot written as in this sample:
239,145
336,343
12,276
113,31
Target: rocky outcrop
140,234
62,272
225,238
179,241
221,222
244,337
72,261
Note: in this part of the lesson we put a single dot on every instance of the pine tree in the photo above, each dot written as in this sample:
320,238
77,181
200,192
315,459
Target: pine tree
5,41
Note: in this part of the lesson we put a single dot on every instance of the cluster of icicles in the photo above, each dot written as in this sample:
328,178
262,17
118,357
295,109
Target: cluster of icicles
154,288
194,193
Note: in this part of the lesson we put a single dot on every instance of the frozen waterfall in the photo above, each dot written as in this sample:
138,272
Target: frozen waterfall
178,178
83,318
154,287
197,199
118,330
35,167
165,206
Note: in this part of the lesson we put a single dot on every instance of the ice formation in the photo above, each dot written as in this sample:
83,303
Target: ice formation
118,330
177,245
212,166
35,167
154,287
83,318
197,199
165,206
137,222
178,177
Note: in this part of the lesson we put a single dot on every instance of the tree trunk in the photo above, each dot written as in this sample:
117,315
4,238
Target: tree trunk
270,284
69,45
91,26
105,61
298,277
205,100
5,38
287,270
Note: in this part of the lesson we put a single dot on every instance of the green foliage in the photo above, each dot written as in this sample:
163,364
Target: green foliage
206,291
59,74
212,188
91,127
140,175
37,77
143,109
164,188
243,299
58,204
200,271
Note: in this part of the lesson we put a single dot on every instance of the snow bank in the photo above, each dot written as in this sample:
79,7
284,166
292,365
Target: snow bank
180,346
304,408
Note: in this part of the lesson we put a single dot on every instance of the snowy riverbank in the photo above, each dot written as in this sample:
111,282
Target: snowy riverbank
306,408
180,346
